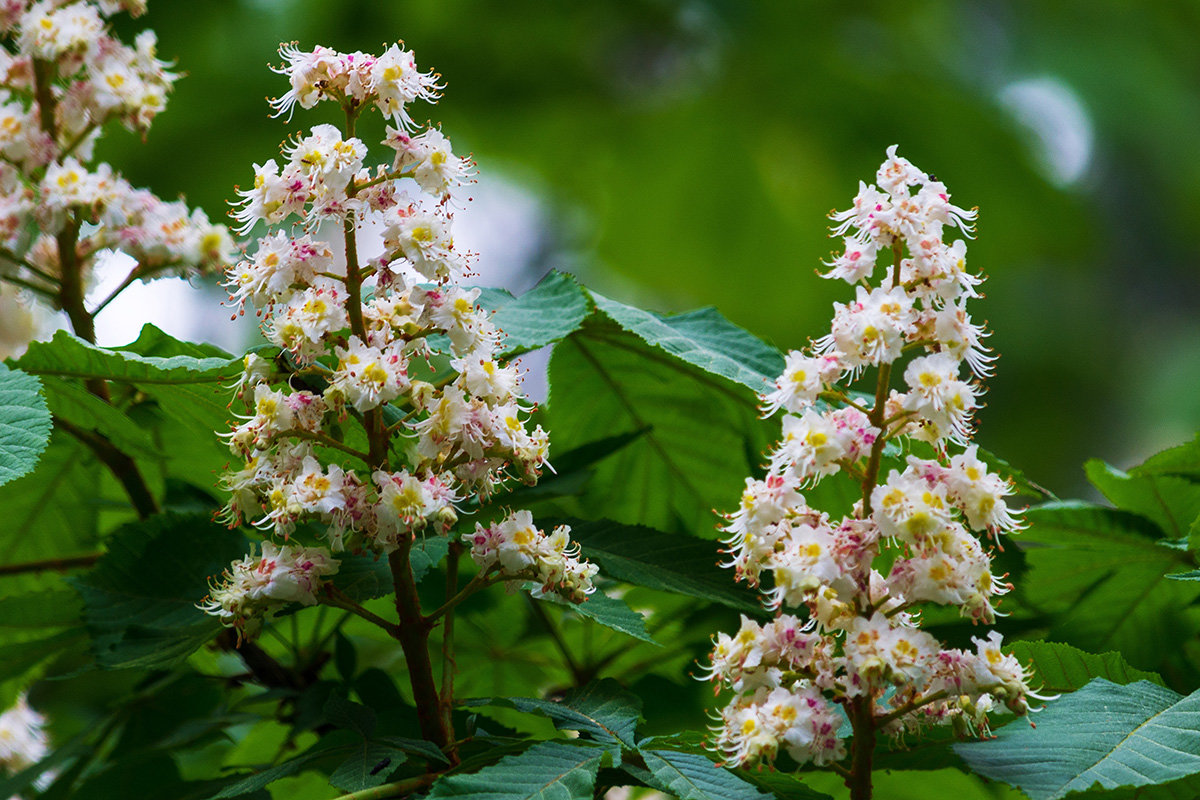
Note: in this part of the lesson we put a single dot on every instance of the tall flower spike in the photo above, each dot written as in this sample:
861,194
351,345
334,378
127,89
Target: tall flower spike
357,334
860,646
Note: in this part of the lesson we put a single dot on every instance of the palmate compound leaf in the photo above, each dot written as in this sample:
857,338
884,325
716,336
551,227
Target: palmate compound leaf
140,598
66,355
1134,735
24,423
552,770
1102,573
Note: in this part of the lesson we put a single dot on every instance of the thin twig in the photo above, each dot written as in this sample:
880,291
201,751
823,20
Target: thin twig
50,564
480,581
335,598
577,674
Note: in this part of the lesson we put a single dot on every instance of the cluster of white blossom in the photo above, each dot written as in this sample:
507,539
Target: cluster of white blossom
23,740
358,336
859,644
250,586
517,550
63,77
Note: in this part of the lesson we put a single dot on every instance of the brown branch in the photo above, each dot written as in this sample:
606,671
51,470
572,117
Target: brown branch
50,564
121,465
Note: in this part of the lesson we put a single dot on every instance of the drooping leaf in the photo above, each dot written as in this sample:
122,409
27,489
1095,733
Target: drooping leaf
24,423
1101,573
1134,735
1059,668
602,710
611,612
545,314
546,771
704,339
140,598
157,343
689,776
67,355
664,561
1172,502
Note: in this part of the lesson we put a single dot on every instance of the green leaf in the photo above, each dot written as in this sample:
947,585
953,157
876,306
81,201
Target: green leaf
67,355
611,612
689,776
370,765
70,401
140,598
155,342
703,338
669,562
1172,502
259,780
603,378
363,577
1182,461
1101,572
425,555
545,314
546,771
602,709
53,512
24,424
1134,735
46,609
352,716
19,658
1060,668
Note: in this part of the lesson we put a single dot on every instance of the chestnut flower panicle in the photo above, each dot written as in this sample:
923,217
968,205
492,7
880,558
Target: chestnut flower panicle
860,645
358,337
64,77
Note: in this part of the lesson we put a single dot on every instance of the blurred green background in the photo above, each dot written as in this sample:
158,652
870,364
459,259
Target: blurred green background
678,154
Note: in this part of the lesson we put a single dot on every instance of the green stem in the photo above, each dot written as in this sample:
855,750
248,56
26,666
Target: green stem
578,674
391,790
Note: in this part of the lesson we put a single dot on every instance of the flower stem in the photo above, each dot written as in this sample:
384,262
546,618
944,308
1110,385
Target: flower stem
859,779
391,790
